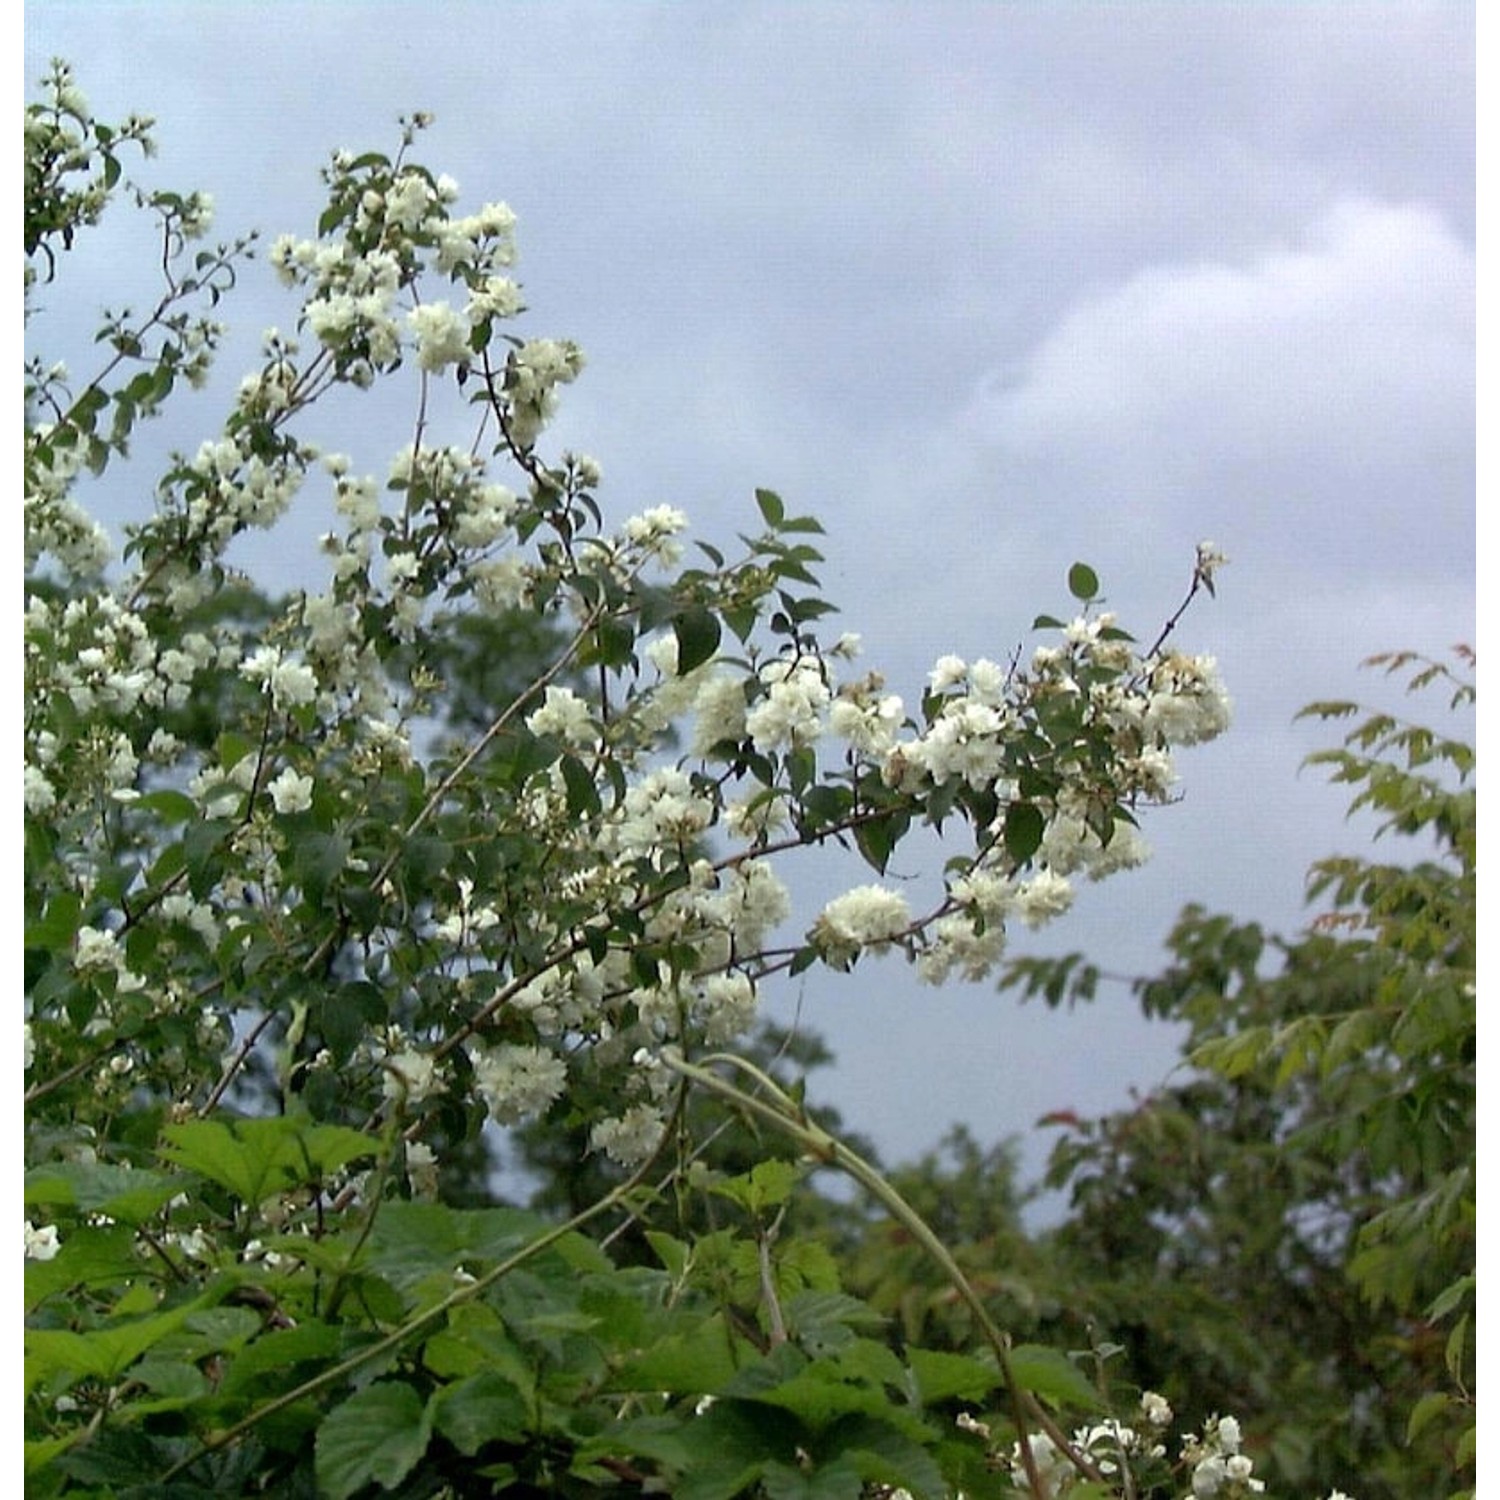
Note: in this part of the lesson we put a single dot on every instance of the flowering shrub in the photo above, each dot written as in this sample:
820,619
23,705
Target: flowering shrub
292,942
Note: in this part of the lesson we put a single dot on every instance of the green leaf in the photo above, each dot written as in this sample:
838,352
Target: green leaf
697,630
942,1376
1083,582
1431,1406
279,1352
771,508
378,1436
426,856
98,1187
411,1241
701,1361
672,1253
1052,1375
483,1409
1024,827
255,1158
878,838
317,862
766,1185
582,792
56,930
104,1353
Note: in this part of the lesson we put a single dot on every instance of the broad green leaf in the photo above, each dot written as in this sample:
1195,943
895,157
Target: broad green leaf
1052,1375
91,1256
1083,582
482,1409
280,1350
878,838
1024,827
170,806
1431,1406
255,1158
426,856
766,1185
697,631
701,1361
56,930
121,1193
672,1253
105,1353
318,860
412,1241
942,1376
378,1436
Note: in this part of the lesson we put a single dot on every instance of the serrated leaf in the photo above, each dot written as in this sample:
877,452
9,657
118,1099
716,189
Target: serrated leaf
1052,1375
131,1195
426,855
281,1349
378,1436
255,1158
942,1376
701,1361
482,1409
766,1185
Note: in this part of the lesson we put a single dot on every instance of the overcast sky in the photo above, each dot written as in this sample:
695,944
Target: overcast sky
988,288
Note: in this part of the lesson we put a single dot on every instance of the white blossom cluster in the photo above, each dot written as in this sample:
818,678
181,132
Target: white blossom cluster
1215,1467
640,907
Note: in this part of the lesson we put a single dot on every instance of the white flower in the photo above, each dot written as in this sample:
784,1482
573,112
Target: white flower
97,950
1208,1476
291,793
517,1081
28,1049
39,793
720,709
442,335
658,522
631,1138
422,1170
41,1244
947,671
1208,562
869,916
1187,702
788,714
565,715
727,1008
1155,1410
1044,896
409,1074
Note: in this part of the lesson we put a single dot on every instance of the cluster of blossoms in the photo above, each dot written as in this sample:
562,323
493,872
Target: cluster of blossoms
624,900
1211,1460
1215,1464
